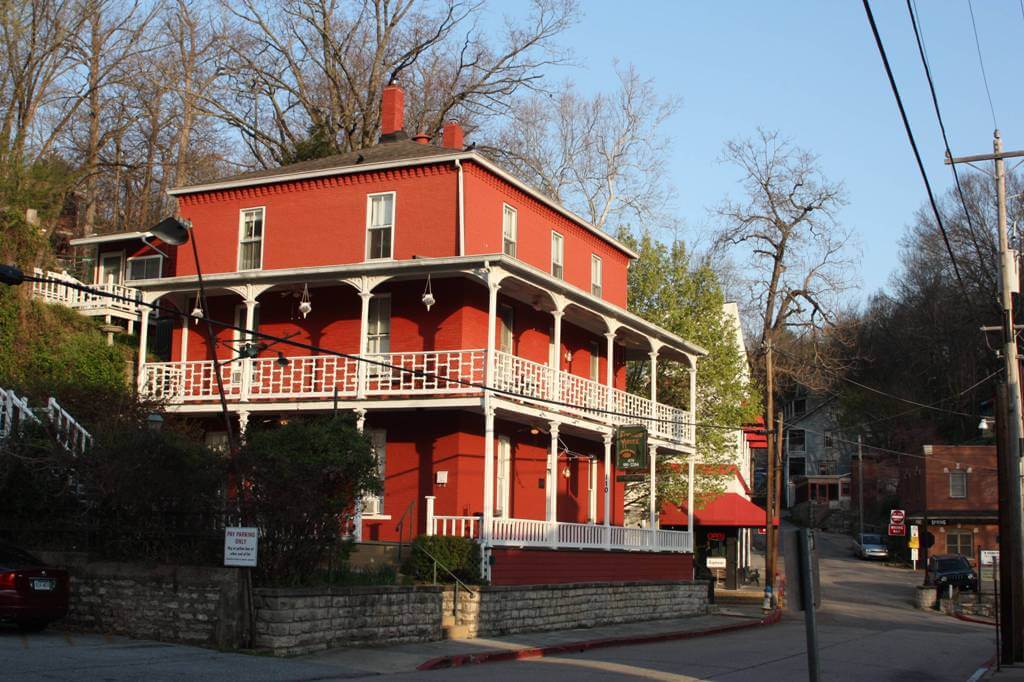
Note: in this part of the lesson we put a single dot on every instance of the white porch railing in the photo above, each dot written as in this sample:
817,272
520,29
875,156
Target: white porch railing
85,302
447,372
534,533
15,411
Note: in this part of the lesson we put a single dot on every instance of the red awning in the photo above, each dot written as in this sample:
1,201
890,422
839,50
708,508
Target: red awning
728,509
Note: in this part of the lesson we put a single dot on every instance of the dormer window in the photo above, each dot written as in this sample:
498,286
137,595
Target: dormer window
380,226
250,239
509,230
557,255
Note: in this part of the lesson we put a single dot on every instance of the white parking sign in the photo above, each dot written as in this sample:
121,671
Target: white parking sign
240,546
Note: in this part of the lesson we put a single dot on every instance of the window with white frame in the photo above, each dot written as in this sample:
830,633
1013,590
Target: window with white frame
380,226
503,497
960,542
595,361
250,239
509,230
557,255
507,318
378,332
373,505
145,267
958,484
595,275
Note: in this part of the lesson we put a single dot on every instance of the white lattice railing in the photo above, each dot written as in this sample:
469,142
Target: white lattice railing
85,302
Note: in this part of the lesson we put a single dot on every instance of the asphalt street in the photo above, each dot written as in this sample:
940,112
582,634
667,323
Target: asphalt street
869,630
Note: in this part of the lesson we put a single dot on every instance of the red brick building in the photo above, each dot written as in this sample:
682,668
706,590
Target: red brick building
953,494
435,262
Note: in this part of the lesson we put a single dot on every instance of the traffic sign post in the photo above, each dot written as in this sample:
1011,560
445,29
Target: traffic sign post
897,516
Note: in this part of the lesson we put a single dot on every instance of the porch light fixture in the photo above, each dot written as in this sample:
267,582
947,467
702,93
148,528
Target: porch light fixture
428,295
282,361
197,311
983,424
305,307
566,473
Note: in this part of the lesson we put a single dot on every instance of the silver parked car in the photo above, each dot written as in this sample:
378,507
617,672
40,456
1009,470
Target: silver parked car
870,546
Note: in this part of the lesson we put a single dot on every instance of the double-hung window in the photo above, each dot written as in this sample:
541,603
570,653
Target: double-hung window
595,361
557,255
958,484
378,334
380,226
503,494
507,319
797,440
373,505
145,267
509,230
595,275
250,239
960,542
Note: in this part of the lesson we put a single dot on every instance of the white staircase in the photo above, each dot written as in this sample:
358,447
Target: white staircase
15,411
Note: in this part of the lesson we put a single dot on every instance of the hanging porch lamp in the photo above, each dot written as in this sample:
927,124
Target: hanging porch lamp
197,311
305,307
428,295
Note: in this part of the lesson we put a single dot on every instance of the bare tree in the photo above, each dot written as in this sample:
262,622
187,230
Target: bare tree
320,65
603,156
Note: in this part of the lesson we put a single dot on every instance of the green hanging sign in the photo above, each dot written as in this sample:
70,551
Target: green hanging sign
631,454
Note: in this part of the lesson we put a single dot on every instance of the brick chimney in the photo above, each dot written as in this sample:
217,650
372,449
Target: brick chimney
452,137
392,111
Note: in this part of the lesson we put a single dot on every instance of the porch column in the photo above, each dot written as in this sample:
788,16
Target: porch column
607,490
592,486
551,487
488,516
357,522
493,285
140,375
654,374
184,337
610,369
429,530
691,428
365,295
556,380
652,501
690,485
248,337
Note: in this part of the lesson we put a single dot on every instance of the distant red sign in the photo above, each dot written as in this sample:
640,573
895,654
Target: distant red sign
762,531
897,516
897,529
716,536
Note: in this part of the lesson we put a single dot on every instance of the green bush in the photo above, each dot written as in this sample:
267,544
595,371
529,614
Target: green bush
461,556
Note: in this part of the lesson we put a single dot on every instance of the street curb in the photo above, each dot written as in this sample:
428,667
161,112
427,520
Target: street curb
457,660
969,619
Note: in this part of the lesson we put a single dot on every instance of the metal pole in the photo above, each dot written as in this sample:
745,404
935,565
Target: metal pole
860,485
807,595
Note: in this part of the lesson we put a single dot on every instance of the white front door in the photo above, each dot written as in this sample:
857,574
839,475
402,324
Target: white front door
110,269
503,493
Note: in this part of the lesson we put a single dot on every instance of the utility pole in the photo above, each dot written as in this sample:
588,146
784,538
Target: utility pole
1011,545
860,486
770,538
779,479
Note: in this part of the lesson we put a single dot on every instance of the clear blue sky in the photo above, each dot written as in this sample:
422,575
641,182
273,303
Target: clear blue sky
811,70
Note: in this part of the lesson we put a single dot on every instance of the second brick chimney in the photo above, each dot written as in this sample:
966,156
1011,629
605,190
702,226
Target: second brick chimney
392,110
452,137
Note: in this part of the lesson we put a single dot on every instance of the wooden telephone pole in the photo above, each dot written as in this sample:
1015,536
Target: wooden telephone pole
771,539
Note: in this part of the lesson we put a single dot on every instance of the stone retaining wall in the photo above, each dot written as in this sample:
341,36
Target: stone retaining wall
295,621
504,610
189,604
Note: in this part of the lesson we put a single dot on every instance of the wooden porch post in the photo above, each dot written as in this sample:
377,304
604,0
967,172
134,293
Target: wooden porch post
140,373
691,472
488,515
551,487
365,295
249,337
556,361
430,515
652,502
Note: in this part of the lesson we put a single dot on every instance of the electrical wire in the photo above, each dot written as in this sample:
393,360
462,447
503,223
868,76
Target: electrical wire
981,62
384,365
913,146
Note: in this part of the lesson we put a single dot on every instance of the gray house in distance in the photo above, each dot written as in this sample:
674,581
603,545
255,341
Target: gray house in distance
815,452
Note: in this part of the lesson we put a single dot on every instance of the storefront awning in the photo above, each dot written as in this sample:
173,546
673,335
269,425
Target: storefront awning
728,509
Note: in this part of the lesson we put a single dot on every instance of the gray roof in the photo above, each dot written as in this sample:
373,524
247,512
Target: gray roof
397,150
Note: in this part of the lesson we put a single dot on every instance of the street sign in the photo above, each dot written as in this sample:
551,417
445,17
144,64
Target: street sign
240,546
914,531
913,553
631,454
897,516
897,529
716,562
914,542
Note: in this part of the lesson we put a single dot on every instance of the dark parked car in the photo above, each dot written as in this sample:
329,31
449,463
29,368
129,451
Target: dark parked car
32,594
951,569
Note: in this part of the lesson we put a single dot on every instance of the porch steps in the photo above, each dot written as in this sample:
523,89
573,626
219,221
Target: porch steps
452,630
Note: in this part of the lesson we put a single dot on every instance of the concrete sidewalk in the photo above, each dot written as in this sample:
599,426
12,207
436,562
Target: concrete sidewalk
451,653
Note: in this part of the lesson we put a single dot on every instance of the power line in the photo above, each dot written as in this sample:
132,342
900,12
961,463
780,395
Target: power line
981,62
913,146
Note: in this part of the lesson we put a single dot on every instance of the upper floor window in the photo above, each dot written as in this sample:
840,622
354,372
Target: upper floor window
595,361
509,230
507,317
595,275
797,439
799,406
958,484
250,239
145,267
829,440
557,255
380,226
378,331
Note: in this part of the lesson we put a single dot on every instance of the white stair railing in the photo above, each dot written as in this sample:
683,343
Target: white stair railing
15,411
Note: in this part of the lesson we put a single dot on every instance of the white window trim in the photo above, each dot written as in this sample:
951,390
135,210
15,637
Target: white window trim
561,254
241,233
99,265
378,499
128,266
595,362
394,222
599,282
505,208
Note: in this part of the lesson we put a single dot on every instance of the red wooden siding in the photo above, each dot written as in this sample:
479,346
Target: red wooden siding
541,566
